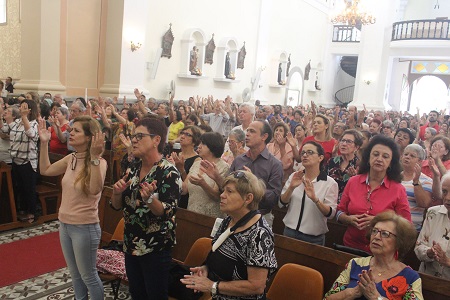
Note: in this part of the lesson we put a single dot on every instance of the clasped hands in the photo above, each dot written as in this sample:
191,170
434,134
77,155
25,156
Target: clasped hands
198,280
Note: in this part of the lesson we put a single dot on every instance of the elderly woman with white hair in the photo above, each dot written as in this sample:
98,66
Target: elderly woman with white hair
418,186
388,128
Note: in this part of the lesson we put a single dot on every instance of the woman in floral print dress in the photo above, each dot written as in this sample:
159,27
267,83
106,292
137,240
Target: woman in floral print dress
383,275
148,195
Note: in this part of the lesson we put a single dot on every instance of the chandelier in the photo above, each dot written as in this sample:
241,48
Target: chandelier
352,16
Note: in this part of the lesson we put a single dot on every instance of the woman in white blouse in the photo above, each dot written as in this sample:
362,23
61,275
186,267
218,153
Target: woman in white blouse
311,197
433,245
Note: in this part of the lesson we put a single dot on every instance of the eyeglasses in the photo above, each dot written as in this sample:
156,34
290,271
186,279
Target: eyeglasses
308,153
345,141
239,175
384,233
139,136
186,134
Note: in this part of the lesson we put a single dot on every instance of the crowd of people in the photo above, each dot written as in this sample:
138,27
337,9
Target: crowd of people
383,174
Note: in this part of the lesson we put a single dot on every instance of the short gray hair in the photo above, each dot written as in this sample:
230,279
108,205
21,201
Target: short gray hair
238,134
421,154
250,107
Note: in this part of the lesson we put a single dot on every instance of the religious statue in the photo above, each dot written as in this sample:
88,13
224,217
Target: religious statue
288,66
307,69
316,84
280,70
193,62
228,74
209,53
241,57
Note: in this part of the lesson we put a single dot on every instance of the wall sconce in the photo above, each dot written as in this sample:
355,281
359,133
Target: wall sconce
134,46
367,81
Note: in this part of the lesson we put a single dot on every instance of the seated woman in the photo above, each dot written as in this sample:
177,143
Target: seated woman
383,275
203,191
311,196
440,153
236,142
377,188
433,246
281,149
242,257
344,166
418,186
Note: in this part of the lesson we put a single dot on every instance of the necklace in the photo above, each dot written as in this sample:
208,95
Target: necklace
379,273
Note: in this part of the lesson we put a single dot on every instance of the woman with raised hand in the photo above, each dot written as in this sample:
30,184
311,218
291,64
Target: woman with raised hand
440,154
84,175
311,197
148,195
60,124
281,149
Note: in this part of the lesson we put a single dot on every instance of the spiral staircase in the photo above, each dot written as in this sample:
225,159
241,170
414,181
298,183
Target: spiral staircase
345,95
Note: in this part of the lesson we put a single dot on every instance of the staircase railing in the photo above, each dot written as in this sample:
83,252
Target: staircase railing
346,34
344,95
433,29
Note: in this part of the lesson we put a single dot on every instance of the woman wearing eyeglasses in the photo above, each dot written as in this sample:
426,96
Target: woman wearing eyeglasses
382,275
242,257
342,167
84,175
311,197
376,188
148,195
189,139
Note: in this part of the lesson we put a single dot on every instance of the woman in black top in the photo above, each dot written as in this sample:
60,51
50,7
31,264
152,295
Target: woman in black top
189,140
242,257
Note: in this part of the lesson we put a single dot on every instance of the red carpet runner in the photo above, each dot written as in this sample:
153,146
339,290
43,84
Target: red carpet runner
29,258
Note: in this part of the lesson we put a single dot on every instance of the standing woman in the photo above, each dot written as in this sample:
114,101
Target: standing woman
23,136
60,124
84,175
342,167
376,188
280,148
189,140
311,196
148,195
322,134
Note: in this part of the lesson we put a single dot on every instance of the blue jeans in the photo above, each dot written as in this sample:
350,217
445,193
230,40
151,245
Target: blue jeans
318,240
148,275
79,244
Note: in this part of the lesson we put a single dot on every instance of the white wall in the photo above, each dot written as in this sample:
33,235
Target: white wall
424,9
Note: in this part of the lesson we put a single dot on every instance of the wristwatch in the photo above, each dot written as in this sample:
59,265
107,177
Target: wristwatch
95,161
214,288
416,184
151,198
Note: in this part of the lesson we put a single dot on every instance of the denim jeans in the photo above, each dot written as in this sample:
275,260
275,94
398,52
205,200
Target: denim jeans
318,240
79,244
148,275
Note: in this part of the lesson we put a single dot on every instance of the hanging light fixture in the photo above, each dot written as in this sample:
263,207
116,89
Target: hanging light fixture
352,16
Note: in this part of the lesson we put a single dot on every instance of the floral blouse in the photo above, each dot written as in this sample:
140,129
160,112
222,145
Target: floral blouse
335,172
436,227
145,232
405,285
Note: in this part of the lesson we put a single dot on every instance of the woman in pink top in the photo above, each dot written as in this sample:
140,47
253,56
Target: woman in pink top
376,188
440,153
322,134
84,175
281,149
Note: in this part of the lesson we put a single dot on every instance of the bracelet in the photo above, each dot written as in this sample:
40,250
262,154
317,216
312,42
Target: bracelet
112,206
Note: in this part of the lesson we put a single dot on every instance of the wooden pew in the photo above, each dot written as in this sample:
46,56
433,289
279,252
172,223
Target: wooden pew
329,262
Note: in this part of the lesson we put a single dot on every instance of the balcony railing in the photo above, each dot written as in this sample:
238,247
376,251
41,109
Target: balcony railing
421,30
346,34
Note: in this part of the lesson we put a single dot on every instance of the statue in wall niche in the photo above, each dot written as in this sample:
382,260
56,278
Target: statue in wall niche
241,57
209,53
307,70
288,66
279,80
228,74
316,84
193,62
167,42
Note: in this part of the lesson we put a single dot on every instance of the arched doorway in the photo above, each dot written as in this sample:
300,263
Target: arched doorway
294,90
429,93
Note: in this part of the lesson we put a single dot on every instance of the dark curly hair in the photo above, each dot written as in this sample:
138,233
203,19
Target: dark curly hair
394,170
320,151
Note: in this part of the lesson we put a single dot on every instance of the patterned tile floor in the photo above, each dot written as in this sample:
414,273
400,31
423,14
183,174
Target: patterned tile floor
51,286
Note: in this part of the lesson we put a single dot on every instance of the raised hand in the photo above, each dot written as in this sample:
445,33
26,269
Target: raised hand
297,179
24,110
209,169
178,160
309,189
291,140
44,133
417,172
121,185
147,189
125,140
97,145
